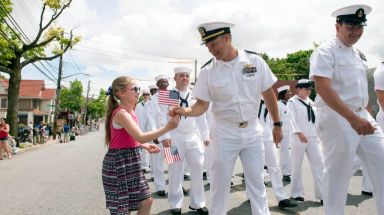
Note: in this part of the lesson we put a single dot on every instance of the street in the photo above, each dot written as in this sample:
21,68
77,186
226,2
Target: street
65,179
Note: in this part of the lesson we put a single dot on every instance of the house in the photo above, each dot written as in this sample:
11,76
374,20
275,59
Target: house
36,102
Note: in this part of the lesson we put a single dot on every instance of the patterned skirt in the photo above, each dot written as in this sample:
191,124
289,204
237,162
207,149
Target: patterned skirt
124,182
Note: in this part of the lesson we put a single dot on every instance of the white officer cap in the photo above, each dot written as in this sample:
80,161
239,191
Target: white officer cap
209,31
304,83
159,77
352,15
178,70
282,88
144,91
152,86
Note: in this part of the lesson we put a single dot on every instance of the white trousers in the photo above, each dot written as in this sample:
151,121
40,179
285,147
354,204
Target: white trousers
195,158
285,157
341,144
144,156
228,142
208,153
272,163
366,184
157,168
314,152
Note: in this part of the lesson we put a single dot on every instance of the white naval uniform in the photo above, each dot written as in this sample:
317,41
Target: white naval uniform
208,149
234,88
157,161
313,148
286,119
186,137
142,116
346,68
379,85
271,158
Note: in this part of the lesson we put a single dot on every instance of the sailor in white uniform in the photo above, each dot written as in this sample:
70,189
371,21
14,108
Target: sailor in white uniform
345,127
186,137
233,81
142,116
283,94
304,140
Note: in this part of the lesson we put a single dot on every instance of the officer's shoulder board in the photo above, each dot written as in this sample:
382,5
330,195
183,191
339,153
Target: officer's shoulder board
207,63
362,56
251,52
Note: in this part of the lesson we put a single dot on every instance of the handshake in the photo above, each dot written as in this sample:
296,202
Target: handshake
176,111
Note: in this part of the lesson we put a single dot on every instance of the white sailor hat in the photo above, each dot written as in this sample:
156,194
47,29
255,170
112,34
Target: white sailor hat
209,31
352,15
178,70
152,86
304,83
144,91
282,88
159,77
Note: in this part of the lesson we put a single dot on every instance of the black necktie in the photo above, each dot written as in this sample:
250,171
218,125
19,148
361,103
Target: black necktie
184,101
284,102
311,114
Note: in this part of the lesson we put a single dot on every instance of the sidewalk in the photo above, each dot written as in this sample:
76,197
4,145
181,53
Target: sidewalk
30,146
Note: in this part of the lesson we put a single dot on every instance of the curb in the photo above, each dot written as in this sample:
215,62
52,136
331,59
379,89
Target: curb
33,147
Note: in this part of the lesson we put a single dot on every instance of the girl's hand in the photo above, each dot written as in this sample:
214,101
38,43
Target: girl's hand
173,122
150,147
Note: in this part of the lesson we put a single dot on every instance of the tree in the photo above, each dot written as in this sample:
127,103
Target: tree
72,98
96,108
16,53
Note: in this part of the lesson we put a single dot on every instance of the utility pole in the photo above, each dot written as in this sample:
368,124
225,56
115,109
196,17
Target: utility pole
86,103
57,102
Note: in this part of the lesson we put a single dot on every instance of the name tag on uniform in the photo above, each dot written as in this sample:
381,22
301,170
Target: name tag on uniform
249,70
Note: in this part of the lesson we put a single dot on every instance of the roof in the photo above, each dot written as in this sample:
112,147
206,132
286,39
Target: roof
33,89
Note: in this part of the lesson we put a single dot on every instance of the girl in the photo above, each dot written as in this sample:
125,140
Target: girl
124,183
4,129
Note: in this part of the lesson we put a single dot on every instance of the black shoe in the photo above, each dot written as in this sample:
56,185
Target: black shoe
287,178
185,191
161,193
321,202
204,175
186,177
152,179
366,193
176,211
232,183
201,211
300,199
286,203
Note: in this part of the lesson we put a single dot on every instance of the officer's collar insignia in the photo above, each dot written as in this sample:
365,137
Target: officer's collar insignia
202,31
249,70
360,13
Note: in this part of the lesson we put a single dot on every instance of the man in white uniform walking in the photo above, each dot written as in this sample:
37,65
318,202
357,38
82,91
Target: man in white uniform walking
234,81
344,125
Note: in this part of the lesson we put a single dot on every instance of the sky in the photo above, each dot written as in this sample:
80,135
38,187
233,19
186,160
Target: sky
145,38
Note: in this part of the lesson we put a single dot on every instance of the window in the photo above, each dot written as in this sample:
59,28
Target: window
4,103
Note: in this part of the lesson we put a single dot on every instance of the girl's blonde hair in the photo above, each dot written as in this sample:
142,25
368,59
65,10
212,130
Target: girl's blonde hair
119,83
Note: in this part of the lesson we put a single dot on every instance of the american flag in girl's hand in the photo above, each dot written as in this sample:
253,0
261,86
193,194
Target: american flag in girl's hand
171,155
169,97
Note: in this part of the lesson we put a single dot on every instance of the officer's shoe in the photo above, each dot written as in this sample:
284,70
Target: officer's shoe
287,178
201,211
176,211
161,193
321,202
299,198
286,203
366,193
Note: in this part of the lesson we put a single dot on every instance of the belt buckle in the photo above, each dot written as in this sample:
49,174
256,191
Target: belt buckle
243,124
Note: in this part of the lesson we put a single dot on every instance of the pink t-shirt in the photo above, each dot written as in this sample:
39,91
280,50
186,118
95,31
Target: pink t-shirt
119,136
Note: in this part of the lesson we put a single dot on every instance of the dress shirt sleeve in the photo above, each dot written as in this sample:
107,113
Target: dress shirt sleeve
292,109
268,78
379,77
321,63
201,90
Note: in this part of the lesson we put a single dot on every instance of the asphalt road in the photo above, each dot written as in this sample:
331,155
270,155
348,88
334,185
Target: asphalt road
65,179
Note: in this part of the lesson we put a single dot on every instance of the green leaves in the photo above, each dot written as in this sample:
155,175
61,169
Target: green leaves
72,98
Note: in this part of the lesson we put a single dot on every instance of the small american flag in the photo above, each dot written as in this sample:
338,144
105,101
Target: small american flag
169,97
171,155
